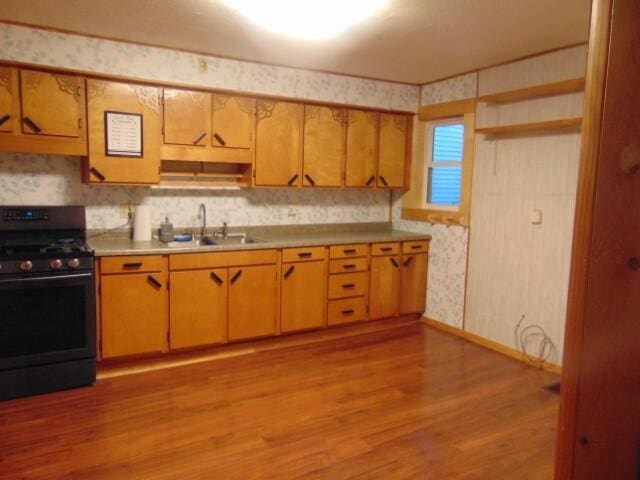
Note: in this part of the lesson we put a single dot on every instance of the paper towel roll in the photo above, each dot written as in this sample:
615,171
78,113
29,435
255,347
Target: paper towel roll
142,224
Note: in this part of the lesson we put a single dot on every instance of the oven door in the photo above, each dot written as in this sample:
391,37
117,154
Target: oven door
46,319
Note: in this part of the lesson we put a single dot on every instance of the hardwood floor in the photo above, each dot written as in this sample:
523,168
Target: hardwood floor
406,402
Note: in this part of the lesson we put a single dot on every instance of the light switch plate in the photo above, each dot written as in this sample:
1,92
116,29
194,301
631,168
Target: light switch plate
536,217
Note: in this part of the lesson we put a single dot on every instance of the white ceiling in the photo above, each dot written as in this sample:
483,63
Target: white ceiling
411,40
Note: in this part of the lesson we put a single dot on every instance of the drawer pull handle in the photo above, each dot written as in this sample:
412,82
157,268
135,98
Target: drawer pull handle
199,139
416,247
349,250
219,139
394,262
4,119
309,179
98,174
305,254
407,261
386,249
382,179
132,265
216,278
349,265
235,278
289,272
370,180
348,285
152,280
347,312
292,179
31,124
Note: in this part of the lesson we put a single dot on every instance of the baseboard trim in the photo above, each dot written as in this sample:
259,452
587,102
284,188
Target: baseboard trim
491,345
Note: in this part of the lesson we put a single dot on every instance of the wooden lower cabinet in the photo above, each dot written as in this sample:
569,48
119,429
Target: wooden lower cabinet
304,289
253,301
134,314
199,306
384,287
413,283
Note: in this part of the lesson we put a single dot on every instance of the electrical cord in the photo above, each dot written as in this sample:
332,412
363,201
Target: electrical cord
124,225
522,337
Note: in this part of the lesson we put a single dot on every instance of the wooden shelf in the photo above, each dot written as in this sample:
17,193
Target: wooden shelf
189,174
523,128
538,91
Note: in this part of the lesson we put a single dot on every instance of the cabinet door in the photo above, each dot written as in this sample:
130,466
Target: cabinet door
384,287
392,150
105,96
8,94
233,121
278,143
135,314
362,149
253,301
51,103
198,308
304,293
187,117
324,146
413,283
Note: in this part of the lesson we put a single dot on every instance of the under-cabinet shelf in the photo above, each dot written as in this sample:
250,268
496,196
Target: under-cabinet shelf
523,128
537,91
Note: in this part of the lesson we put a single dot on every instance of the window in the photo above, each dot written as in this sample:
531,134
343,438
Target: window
444,156
441,170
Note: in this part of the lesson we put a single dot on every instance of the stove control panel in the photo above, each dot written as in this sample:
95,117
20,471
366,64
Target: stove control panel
25,215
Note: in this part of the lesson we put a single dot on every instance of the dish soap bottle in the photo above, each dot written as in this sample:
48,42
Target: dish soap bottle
166,231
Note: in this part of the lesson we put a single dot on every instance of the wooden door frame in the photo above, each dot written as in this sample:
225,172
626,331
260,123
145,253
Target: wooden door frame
584,449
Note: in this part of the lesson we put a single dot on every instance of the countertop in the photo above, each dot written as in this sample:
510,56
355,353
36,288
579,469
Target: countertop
112,243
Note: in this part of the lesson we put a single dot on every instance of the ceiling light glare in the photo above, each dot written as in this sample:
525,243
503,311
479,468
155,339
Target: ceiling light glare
307,19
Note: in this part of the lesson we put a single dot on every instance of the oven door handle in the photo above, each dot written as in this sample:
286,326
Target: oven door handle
40,279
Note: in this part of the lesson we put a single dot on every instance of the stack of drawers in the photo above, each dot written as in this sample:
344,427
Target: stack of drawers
348,283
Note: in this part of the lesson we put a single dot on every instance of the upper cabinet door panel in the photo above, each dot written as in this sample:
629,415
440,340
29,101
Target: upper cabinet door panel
392,149
362,146
187,117
324,146
278,143
128,98
233,121
51,103
7,97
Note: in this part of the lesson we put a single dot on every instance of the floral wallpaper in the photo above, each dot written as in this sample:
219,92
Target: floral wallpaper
35,46
456,88
55,180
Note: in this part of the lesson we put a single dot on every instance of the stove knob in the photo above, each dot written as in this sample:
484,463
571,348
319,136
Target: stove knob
74,263
56,264
26,266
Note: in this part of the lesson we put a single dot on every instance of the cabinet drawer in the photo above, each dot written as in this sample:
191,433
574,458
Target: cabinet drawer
347,285
378,249
191,261
132,264
415,247
347,251
348,265
347,310
302,254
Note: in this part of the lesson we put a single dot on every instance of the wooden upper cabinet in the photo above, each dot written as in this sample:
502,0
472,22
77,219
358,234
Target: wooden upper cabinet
392,149
8,99
187,117
51,103
384,287
233,122
106,96
198,300
304,294
134,314
253,301
324,146
362,149
413,283
278,143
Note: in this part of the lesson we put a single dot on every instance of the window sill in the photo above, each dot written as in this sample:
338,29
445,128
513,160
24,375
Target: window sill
446,217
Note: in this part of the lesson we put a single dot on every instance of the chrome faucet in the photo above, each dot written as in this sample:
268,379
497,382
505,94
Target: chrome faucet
224,233
202,212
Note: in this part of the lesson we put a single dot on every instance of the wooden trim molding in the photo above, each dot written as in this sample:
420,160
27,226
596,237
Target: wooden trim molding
441,111
491,345
536,91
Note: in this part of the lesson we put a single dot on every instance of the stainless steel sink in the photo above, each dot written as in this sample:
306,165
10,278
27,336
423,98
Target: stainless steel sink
230,239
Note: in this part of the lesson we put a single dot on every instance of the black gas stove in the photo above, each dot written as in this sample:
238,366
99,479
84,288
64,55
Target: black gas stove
47,305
